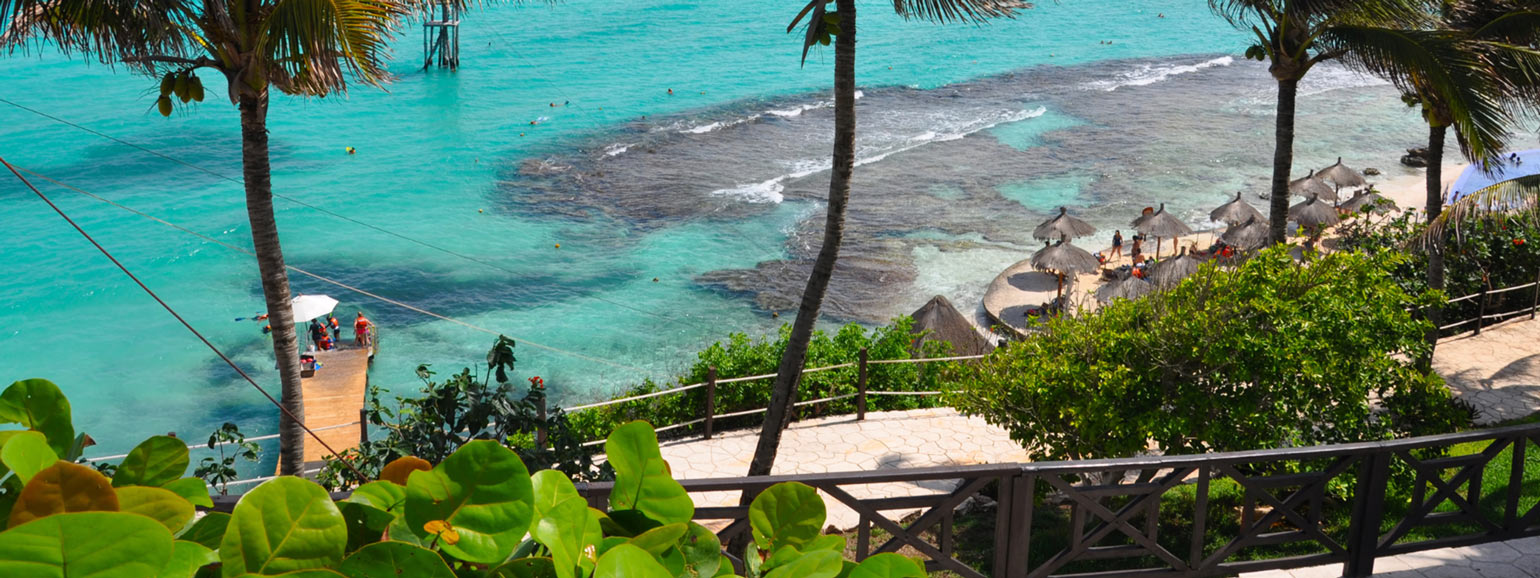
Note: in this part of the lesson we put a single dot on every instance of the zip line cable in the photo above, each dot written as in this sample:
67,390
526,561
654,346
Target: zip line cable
327,212
178,317
323,278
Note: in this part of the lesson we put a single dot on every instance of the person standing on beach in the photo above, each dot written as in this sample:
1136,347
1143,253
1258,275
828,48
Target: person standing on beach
1117,244
361,330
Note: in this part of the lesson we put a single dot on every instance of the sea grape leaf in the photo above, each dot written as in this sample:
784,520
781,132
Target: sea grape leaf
483,492
627,561
63,488
38,405
562,520
398,531
208,530
786,514
833,542
392,559
388,496
525,568
191,489
658,540
283,525
27,453
366,524
819,564
702,552
186,559
85,545
311,573
400,468
155,461
642,479
160,504
724,566
888,565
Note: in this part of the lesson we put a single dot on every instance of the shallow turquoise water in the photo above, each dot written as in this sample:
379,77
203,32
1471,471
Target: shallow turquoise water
435,153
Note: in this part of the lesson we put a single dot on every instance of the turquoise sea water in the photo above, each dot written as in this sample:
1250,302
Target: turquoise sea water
703,190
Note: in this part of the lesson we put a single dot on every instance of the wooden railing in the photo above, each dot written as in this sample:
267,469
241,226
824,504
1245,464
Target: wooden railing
1296,507
1484,304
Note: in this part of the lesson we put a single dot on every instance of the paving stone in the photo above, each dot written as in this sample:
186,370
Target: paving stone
1494,552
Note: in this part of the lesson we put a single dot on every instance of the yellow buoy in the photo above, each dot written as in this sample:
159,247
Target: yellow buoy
558,245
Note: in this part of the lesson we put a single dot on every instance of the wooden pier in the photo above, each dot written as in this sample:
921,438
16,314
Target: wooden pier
334,400
441,36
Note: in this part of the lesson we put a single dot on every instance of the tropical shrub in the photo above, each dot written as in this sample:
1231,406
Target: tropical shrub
446,415
477,513
1490,252
1270,354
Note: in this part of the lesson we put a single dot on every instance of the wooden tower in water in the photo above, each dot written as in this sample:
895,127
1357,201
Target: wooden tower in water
441,36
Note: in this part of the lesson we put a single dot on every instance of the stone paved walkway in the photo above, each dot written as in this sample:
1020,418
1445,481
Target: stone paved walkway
1498,371
1511,559
885,440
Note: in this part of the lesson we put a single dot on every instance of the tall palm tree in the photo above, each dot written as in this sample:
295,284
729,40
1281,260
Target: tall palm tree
840,28
1474,72
299,47
1293,36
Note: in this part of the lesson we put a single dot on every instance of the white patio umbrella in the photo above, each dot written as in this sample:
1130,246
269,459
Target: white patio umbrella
307,307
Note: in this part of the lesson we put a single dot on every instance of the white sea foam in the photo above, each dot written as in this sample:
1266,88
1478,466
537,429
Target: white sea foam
1153,73
769,191
616,149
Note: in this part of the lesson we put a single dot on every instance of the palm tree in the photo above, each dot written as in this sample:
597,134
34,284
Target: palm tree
299,47
840,28
1473,72
1293,36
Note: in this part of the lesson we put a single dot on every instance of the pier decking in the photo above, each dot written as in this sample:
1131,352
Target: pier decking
333,398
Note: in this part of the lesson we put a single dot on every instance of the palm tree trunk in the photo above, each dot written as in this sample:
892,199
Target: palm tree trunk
275,279
1435,206
1283,159
789,374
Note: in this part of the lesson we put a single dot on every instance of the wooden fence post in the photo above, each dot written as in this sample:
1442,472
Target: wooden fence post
1368,512
1536,304
1481,310
363,427
861,386
711,398
540,427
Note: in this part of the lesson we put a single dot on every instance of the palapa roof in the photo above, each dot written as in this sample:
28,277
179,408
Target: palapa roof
945,323
1250,235
1125,287
1371,201
1161,224
1065,258
1236,211
1174,270
1062,226
1341,176
1314,213
1312,185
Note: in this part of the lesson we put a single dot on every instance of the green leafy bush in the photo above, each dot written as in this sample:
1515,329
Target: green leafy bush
477,513
1270,354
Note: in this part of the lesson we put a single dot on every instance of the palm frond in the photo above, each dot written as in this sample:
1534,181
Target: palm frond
957,10
310,44
1519,196
106,30
1446,69
816,25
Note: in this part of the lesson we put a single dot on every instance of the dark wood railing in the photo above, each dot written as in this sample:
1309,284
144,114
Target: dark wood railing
1234,512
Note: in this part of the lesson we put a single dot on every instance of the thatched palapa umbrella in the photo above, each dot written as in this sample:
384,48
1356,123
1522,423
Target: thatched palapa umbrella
1341,176
1172,271
1313,213
1367,200
1062,226
1064,259
938,320
1312,185
1125,287
1250,235
1161,224
1236,211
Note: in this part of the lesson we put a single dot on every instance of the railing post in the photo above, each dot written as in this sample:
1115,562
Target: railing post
1368,512
363,426
1536,304
1481,310
711,398
540,427
861,386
